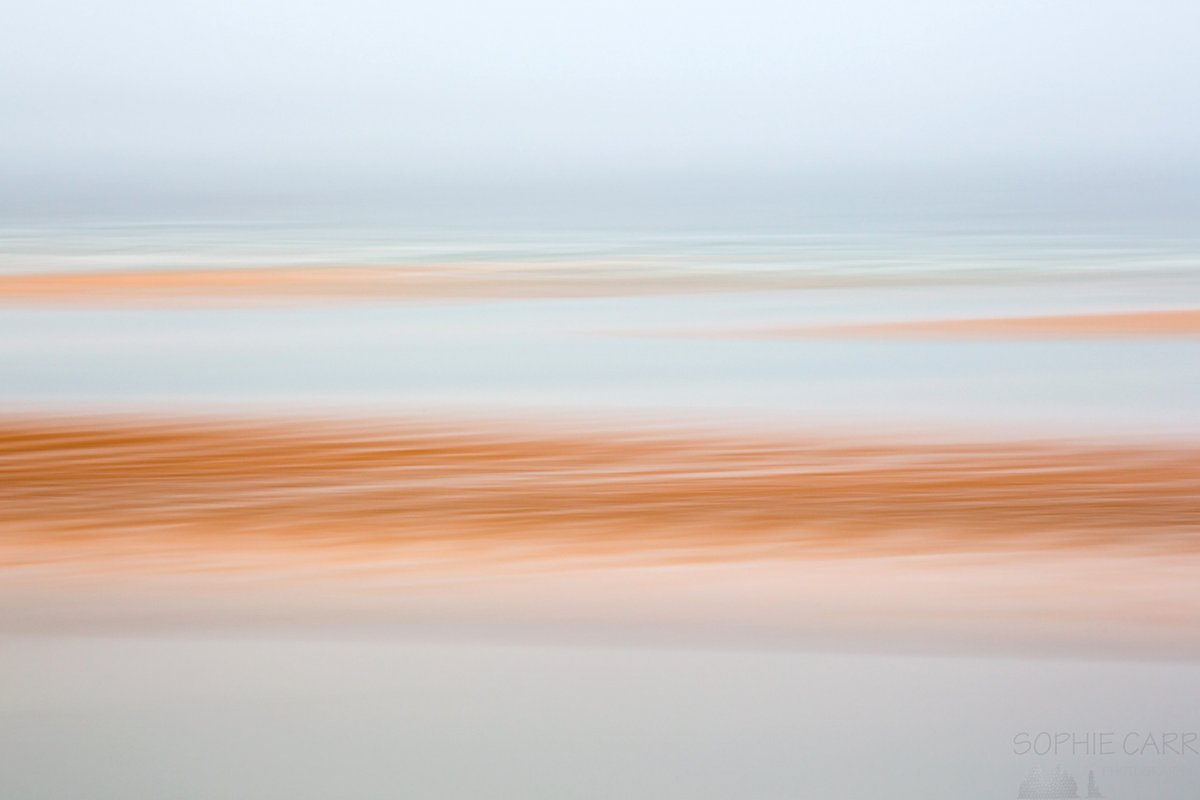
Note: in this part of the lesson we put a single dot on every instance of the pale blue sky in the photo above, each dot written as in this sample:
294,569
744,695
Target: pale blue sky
134,101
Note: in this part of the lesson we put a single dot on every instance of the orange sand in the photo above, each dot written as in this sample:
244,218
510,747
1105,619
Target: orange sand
460,281
1184,322
95,488
112,519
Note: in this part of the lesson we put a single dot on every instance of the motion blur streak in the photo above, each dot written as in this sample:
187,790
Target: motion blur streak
652,495
1165,324
840,522
414,282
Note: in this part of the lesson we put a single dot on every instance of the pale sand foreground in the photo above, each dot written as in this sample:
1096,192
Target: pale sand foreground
115,523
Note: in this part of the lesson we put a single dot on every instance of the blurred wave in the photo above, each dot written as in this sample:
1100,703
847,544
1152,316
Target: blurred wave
866,252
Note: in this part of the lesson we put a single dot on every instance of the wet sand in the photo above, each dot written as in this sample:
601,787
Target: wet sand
646,495
342,527
483,281
1172,323
458,281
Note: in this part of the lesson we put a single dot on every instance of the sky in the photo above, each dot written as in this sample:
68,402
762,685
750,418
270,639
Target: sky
467,106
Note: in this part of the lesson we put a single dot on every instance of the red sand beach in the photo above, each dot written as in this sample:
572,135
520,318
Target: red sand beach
221,522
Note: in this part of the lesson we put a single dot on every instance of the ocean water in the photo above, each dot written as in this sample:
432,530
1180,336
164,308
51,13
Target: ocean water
844,249
620,349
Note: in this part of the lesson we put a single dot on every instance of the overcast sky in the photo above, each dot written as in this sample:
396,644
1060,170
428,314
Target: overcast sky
145,99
